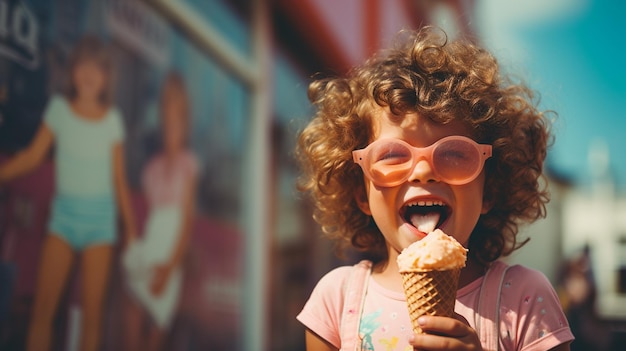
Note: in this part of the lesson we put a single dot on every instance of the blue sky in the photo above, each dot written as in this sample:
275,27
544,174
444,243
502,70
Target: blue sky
573,52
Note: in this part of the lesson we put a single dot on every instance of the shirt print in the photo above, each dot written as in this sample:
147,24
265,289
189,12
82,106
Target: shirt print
368,325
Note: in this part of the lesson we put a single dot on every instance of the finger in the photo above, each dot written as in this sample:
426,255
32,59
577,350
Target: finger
461,318
433,342
446,326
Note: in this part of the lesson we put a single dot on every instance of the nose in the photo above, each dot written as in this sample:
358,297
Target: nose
423,173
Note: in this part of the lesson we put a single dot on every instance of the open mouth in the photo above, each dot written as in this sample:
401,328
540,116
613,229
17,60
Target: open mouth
425,215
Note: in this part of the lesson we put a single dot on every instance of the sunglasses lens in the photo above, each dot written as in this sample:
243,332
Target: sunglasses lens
456,160
390,162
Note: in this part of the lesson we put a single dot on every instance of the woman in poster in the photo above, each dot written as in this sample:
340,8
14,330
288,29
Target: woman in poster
153,262
90,187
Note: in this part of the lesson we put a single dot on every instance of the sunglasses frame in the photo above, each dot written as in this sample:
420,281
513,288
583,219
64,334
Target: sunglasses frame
361,157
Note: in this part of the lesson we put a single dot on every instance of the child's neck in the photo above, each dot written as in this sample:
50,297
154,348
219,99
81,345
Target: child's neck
90,109
171,153
387,275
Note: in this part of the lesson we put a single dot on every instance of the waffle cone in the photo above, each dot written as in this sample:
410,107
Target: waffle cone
430,293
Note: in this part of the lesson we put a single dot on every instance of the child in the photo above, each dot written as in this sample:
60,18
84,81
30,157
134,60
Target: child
90,175
153,263
420,112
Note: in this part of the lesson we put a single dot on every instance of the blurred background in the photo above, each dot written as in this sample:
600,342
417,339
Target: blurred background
255,252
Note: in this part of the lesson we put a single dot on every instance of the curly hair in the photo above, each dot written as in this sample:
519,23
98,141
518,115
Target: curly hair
424,73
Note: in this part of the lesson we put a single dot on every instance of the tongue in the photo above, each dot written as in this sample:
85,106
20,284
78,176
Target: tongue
425,223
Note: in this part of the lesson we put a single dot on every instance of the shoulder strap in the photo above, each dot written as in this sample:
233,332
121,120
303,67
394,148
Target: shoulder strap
488,316
353,305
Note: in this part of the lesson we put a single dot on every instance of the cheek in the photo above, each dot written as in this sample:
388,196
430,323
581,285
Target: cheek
474,204
382,200
469,206
476,189
99,79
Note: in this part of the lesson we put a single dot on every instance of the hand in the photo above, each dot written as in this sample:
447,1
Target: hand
159,279
444,333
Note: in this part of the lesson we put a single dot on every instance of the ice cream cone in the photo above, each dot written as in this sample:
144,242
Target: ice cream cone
430,293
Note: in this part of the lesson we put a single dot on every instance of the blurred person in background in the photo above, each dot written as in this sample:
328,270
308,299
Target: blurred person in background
88,133
577,290
153,262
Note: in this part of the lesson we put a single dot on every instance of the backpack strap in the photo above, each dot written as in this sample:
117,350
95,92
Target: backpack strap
354,299
488,316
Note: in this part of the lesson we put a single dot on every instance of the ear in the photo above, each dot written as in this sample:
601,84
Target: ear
362,200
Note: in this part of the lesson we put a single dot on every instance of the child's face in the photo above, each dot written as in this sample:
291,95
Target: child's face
452,208
89,79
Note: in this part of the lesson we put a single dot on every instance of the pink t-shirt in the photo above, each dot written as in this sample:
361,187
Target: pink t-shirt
164,180
531,317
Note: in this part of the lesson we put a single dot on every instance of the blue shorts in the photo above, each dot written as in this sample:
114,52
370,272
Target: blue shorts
83,221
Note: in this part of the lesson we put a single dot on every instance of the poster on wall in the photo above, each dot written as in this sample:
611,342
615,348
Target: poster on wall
120,153
21,73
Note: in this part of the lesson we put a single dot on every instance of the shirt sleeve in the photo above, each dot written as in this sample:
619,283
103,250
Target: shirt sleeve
54,113
322,312
531,312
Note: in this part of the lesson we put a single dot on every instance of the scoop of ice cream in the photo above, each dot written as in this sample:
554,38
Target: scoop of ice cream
437,251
